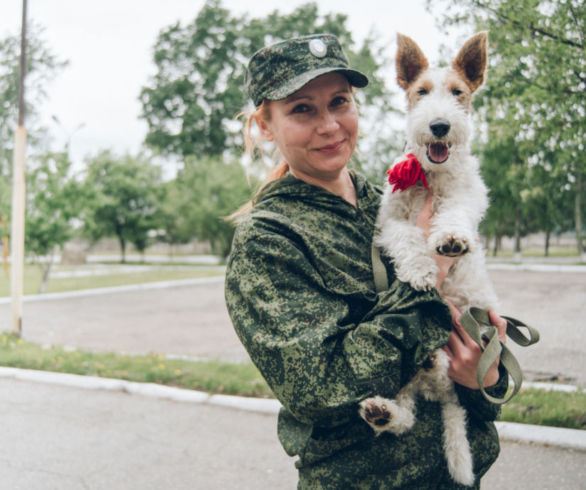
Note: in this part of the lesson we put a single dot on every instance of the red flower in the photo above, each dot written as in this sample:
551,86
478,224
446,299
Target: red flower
406,173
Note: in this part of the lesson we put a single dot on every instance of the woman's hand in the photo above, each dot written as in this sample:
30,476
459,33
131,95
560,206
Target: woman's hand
424,222
464,353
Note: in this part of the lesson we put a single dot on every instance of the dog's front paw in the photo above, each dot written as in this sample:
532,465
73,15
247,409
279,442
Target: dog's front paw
420,278
386,415
450,245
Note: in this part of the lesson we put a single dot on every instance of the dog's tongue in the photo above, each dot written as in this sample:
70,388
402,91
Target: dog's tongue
438,152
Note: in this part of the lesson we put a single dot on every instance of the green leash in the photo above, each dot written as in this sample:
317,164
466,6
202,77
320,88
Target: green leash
477,323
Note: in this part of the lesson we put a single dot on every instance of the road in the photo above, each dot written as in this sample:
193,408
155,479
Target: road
62,438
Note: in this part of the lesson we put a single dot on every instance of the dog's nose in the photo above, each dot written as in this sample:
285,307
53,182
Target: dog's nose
439,127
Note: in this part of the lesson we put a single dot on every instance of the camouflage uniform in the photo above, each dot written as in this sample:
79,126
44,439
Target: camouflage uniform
300,292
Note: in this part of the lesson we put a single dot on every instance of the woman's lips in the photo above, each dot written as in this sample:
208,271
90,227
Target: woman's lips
331,148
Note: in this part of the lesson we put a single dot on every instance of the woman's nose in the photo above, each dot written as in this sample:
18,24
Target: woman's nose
327,123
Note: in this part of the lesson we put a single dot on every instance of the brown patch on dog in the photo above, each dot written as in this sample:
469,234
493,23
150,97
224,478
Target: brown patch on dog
416,91
410,61
470,63
457,87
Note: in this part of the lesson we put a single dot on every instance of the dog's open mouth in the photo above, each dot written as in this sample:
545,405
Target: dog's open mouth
438,152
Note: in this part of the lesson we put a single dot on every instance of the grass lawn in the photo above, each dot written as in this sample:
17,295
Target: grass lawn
109,276
529,406
209,376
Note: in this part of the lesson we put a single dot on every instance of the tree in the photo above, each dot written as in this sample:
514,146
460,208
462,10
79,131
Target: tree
122,197
52,205
198,89
536,85
198,201
42,67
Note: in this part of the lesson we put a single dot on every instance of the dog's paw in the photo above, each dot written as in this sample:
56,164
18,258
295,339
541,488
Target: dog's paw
421,279
430,362
450,245
376,413
386,415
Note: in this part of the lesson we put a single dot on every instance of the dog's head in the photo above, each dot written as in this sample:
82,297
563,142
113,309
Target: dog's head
439,99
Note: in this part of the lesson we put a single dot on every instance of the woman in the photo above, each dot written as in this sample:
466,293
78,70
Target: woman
300,291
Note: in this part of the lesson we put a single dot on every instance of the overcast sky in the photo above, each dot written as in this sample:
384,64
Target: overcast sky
108,45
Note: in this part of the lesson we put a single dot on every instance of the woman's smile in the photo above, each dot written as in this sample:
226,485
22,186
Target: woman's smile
332,147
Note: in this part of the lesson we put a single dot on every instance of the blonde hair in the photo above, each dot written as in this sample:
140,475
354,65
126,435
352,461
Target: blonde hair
251,146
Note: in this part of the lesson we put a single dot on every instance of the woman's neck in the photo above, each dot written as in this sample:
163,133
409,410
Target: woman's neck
341,185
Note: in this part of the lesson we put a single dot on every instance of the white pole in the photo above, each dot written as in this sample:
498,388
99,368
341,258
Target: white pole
17,232
18,193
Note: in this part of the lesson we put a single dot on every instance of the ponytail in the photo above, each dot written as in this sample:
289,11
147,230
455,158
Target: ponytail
250,145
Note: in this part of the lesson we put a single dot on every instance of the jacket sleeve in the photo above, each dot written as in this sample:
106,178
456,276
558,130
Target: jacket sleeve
316,354
478,406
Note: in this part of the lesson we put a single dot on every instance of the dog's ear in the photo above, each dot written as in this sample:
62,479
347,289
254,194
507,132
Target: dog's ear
410,61
471,60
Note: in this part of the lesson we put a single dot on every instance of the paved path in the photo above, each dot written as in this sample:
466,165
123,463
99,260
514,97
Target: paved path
61,438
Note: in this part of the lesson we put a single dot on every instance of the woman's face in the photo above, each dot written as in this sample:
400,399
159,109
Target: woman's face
315,128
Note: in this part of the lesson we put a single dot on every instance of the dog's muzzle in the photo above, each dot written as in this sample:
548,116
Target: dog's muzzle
438,151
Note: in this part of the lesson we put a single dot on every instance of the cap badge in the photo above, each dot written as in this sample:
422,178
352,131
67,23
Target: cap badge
318,48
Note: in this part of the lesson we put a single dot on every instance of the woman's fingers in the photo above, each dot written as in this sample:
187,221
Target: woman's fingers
500,324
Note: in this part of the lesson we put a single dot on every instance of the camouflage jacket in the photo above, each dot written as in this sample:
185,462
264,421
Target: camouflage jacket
300,292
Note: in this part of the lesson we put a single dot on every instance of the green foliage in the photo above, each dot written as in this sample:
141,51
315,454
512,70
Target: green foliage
533,106
200,198
122,198
52,194
191,102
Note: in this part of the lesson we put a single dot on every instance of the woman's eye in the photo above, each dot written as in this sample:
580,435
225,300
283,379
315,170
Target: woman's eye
456,92
300,109
339,101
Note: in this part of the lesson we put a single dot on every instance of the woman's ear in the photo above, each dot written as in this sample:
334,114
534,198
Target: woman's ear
264,128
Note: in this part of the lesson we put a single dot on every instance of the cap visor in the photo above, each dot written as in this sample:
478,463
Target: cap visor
355,78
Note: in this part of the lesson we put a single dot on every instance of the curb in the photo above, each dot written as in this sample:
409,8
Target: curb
550,436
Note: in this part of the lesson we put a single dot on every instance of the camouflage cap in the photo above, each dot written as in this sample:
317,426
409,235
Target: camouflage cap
277,71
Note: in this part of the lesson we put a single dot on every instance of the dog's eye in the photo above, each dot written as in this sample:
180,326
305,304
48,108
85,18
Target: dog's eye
422,91
456,92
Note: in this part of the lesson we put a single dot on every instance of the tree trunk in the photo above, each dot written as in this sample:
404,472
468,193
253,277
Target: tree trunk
517,251
578,216
497,244
122,248
45,273
547,238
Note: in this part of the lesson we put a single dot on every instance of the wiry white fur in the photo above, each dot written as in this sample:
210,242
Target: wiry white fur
459,202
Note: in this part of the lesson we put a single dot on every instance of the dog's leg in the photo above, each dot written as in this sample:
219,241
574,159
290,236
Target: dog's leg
456,445
469,284
457,216
406,245
400,238
452,232
383,415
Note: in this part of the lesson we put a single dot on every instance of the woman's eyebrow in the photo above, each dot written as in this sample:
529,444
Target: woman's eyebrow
297,97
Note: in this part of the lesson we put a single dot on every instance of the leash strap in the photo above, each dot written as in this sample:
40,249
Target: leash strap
379,271
477,323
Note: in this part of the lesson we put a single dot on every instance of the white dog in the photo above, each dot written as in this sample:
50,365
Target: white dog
439,159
